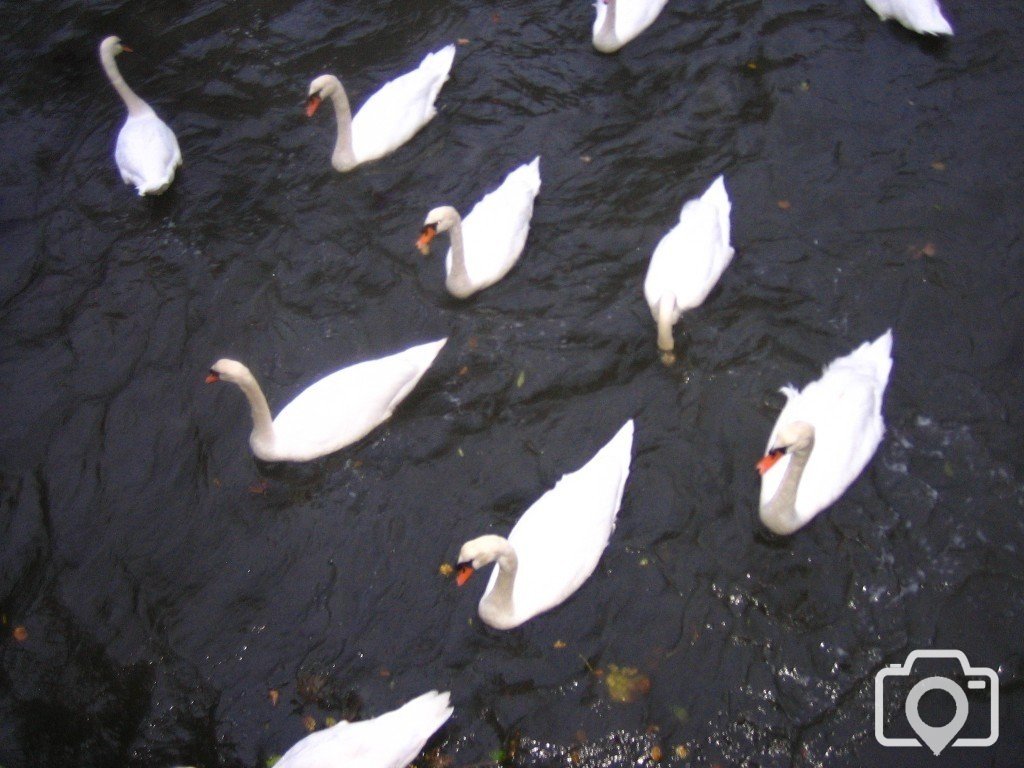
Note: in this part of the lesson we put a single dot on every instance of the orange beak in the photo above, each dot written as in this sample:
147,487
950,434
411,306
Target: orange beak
126,49
312,104
212,376
462,575
769,460
426,235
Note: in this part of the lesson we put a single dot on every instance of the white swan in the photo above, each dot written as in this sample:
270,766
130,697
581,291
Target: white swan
147,152
824,437
922,16
389,118
391,740
557,542
688,262
334,412
487,243
619,21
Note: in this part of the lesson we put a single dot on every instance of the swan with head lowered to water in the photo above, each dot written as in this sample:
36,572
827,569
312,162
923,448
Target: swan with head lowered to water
391,740
619,21
488,242
557,542
688,261
336,411
824,437
389,118
147,153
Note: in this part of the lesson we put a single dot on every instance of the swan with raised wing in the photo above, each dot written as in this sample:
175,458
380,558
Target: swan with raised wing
556,544
824,437
336,411
389,118
147,153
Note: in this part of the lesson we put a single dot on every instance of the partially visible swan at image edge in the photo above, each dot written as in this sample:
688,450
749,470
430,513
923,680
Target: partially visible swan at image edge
922,16
391,740
147,152
336,411
389,118
824,437
619,21
556,544
488,242
688,261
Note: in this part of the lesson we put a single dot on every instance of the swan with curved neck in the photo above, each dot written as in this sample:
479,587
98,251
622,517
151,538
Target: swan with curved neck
824,437
619,21
556,544
336,411
688,262
486,245
391,740
389,118
921,16
147,152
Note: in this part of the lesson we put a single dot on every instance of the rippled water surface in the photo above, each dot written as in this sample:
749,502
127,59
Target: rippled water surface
164,582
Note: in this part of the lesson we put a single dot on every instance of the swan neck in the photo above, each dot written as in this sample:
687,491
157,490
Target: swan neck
458,282
134,104
344,156
496,606
779,513
262,422
605,37
665,306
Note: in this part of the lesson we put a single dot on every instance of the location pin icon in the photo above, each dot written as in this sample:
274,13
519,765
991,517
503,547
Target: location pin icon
937,739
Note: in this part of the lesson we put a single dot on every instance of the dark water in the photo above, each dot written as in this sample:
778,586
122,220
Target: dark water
167,581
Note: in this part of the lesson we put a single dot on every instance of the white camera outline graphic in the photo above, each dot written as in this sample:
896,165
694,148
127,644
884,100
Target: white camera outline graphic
903,670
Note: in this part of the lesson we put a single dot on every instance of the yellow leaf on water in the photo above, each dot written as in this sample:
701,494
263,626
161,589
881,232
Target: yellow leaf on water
520,379
273,695
446,569
309,723
626,684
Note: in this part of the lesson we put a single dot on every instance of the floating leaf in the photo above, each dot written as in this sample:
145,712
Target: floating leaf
559,644
656,753
274,696
446,569
626,684
330,722
520,379
20,633
682,752
938,165
463,41
805,85
309,723
272,760
784,205
681,714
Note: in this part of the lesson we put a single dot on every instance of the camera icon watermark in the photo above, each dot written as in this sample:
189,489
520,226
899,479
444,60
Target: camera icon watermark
981,681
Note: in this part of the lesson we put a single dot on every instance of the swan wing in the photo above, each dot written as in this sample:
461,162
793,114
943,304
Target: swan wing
392,115
147,153
392,740
631,17
495,231
922,16
689,260
560,538
346,405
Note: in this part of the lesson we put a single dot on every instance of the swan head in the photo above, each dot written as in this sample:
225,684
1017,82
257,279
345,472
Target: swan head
321,88
479,553
438,220
228,370
111,46
794,437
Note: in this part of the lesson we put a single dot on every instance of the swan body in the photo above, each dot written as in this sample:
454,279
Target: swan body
922,16
391,740
488,242
688,261
389,118
556,544
336,411
619,21
824,437
147,153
